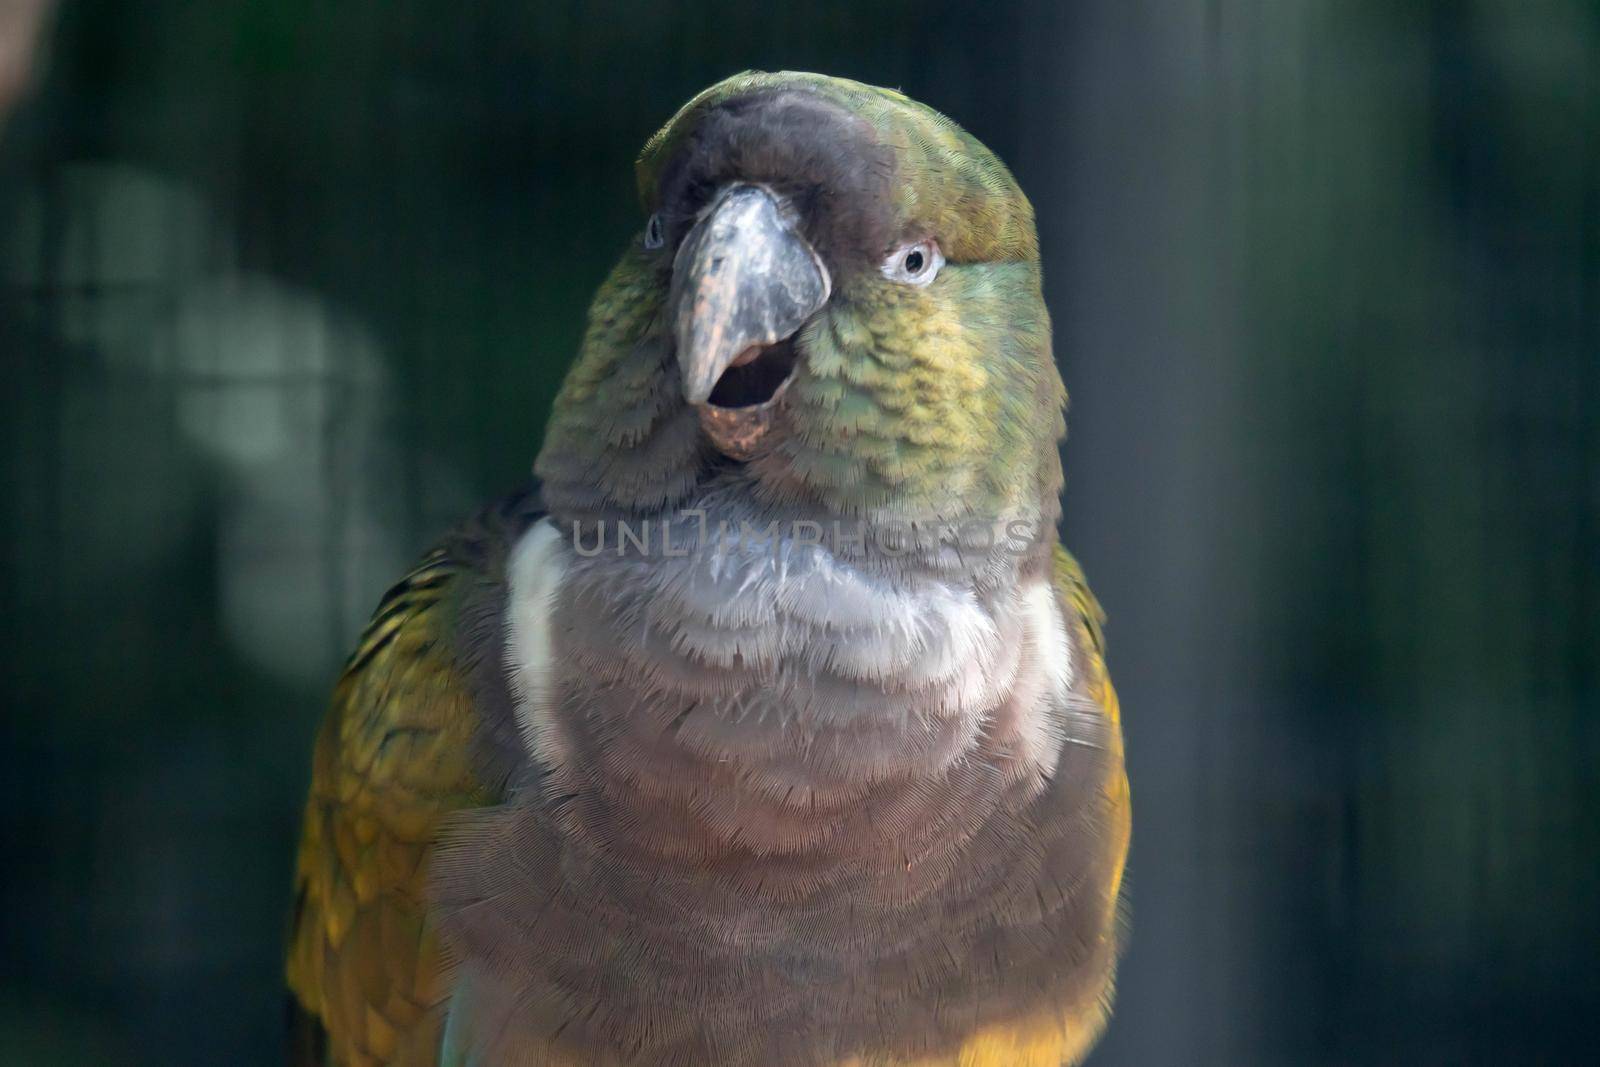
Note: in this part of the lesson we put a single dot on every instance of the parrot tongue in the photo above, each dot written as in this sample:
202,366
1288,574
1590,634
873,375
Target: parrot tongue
755,376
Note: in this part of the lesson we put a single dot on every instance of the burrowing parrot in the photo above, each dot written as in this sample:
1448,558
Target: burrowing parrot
772,728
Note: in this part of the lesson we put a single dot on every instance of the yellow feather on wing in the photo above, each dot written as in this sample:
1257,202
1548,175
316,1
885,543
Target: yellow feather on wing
1087,619
392,757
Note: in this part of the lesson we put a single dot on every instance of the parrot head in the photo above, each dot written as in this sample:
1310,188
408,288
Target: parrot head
834,303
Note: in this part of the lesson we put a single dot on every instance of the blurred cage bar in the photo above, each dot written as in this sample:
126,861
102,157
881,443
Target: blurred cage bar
287,288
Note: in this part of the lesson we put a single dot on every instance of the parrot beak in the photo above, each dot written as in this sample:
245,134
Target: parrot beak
743,282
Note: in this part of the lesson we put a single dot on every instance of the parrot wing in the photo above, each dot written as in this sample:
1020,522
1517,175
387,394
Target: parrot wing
401,747
1087,619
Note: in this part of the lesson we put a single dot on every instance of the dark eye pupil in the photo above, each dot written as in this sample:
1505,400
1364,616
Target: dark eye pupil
914,262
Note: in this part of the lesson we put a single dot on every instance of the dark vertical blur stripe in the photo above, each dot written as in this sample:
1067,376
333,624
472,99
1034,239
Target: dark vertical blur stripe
1131,109
1325,288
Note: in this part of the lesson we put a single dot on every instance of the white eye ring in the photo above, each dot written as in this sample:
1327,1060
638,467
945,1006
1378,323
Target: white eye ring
654,235
914,264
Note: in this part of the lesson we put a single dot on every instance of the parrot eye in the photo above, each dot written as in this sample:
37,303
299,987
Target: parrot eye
914,264
654,237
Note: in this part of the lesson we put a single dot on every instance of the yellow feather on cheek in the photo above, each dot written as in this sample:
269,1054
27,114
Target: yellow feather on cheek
942,400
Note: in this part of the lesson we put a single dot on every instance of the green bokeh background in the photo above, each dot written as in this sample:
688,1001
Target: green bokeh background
286,287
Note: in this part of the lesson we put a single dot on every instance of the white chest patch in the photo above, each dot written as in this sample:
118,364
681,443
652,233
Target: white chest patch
756,638
537,567
1050,630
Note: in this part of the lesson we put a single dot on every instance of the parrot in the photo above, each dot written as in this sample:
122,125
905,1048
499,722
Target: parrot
769,723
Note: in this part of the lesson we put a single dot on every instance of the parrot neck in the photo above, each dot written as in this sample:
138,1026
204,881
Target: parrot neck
772,705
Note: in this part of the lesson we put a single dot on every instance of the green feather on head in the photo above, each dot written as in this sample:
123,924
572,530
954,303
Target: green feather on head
905,395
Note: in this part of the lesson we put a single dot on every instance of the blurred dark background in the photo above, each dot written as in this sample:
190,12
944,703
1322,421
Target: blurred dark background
286,287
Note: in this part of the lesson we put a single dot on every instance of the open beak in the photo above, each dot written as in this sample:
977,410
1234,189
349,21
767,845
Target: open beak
743,282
